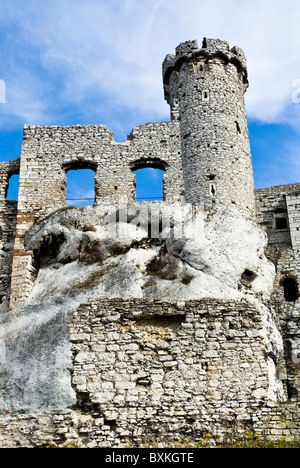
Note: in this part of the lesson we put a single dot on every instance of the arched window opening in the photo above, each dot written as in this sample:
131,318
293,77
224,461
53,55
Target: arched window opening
80,187
149,184
13,187
291,290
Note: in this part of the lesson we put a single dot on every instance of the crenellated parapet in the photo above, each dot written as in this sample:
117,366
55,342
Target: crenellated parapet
211,50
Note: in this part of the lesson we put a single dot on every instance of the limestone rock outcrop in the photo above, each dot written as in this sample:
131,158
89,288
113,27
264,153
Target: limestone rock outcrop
84,255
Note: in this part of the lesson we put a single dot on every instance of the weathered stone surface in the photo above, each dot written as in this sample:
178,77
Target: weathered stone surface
128,323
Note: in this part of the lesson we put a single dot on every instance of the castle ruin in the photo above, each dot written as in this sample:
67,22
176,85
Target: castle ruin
162,369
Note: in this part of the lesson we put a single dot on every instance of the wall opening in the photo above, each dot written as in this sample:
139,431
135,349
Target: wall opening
281,223
205,95
149,184
80,186
248,276
291,290
13,187
212,189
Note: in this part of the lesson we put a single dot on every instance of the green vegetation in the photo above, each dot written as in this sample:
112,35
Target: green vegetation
89,229
251,440
186,279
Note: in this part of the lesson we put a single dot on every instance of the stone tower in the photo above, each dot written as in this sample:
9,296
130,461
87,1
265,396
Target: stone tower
205,88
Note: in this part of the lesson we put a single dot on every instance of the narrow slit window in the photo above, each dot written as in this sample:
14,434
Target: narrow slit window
238,128
205,95
212,189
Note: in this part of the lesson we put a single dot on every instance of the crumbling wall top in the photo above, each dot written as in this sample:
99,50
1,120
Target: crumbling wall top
65,132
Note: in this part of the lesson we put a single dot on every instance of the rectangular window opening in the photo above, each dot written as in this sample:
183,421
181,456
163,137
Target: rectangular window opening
281,223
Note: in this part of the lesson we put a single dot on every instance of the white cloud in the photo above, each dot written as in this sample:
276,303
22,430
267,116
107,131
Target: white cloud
2,92
67,54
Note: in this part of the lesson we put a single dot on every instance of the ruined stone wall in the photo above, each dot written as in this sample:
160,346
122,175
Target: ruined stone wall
278,211
49,152
8,220
205,88
278,215
288,316
272,216
75,428
161,372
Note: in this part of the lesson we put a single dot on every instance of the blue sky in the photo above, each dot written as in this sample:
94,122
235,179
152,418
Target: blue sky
99,62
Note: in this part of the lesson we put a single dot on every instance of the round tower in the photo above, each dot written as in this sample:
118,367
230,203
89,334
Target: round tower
205,88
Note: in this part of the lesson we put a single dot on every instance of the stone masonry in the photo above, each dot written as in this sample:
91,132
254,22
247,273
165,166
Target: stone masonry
49,152
144,374
146,371
204,150
207,85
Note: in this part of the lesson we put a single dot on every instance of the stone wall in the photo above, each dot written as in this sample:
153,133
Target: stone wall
277,209
49,152
8,220
75,428
288,315
278,214
8,217
160,372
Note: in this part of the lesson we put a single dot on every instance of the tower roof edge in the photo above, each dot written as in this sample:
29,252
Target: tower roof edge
210,49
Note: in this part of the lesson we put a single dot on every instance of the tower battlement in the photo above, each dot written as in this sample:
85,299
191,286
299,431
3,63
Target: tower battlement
212,49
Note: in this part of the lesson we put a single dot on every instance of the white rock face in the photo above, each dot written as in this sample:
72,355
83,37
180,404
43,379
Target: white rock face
83,254
215,253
